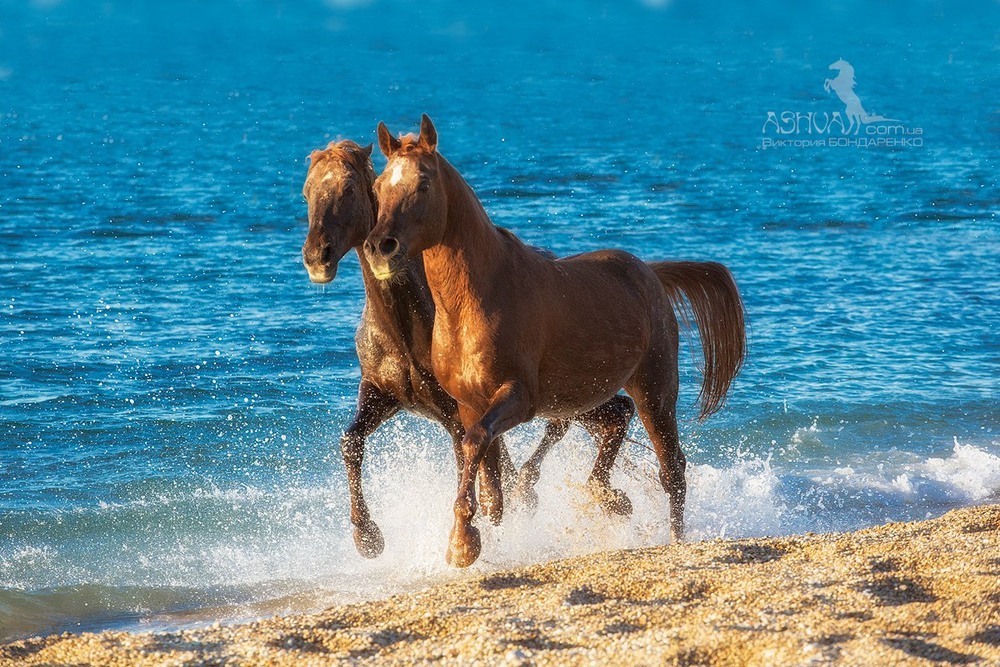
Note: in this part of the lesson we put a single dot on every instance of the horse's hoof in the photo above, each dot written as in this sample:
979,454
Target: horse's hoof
525,496
464,547
617,503
611,500
368,539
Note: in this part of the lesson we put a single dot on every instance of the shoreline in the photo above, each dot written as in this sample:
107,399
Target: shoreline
925,592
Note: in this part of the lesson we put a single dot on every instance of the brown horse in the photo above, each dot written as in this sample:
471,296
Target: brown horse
517,334
394,347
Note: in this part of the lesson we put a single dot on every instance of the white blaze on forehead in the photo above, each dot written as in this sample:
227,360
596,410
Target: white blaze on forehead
397,174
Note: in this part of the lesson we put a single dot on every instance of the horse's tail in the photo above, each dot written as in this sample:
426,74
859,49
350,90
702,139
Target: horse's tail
706,292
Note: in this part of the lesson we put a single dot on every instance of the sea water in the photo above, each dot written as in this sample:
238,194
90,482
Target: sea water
173,389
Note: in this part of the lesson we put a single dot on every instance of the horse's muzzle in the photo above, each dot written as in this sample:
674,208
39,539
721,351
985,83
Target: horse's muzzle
385,257
321,273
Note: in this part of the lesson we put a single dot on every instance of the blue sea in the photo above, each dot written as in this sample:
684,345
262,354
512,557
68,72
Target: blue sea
173,388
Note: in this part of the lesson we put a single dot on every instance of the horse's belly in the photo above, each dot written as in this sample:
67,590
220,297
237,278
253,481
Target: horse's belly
582,382
567,405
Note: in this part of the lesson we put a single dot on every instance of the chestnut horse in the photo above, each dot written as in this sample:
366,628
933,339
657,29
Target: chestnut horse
517,334
394,348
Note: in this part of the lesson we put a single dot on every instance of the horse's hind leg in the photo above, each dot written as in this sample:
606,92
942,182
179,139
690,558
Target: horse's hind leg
608,424
654,389
524,489
374,407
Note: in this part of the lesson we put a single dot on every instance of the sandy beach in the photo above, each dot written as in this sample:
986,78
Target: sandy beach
900,594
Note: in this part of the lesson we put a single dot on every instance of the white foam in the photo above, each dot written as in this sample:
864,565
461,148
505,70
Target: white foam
807,436
739,501
411,498
969,474
972,472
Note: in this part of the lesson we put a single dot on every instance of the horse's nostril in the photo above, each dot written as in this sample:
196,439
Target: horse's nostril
388,246
326,254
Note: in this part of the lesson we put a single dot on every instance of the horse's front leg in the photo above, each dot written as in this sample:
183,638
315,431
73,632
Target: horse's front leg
493,479
509,407
457,433
507,471
496,473
374,407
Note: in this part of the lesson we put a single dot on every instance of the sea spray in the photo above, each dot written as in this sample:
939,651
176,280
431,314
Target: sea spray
241,550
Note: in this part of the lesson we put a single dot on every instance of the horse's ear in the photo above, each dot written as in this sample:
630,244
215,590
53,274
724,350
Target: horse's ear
387,143
428,135
368,149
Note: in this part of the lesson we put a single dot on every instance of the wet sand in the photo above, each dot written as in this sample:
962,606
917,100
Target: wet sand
900,594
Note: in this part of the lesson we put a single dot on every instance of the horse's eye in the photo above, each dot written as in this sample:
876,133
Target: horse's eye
349,189
424,186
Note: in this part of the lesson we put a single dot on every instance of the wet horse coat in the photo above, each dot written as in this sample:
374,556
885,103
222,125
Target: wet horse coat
517,334
393,344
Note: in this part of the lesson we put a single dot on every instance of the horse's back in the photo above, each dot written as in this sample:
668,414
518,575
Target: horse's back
619,289
612,270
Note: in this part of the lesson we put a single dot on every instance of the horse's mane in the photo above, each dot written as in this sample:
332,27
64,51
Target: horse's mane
411,143
343,151
547,254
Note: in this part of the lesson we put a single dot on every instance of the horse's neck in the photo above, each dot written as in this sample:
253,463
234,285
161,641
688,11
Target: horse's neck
403,307
469,258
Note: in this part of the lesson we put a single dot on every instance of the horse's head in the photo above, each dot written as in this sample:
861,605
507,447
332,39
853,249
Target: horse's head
338,189
842,66
412,200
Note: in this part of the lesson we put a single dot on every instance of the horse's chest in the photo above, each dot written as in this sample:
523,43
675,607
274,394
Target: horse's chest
465,366
419,389
394,368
